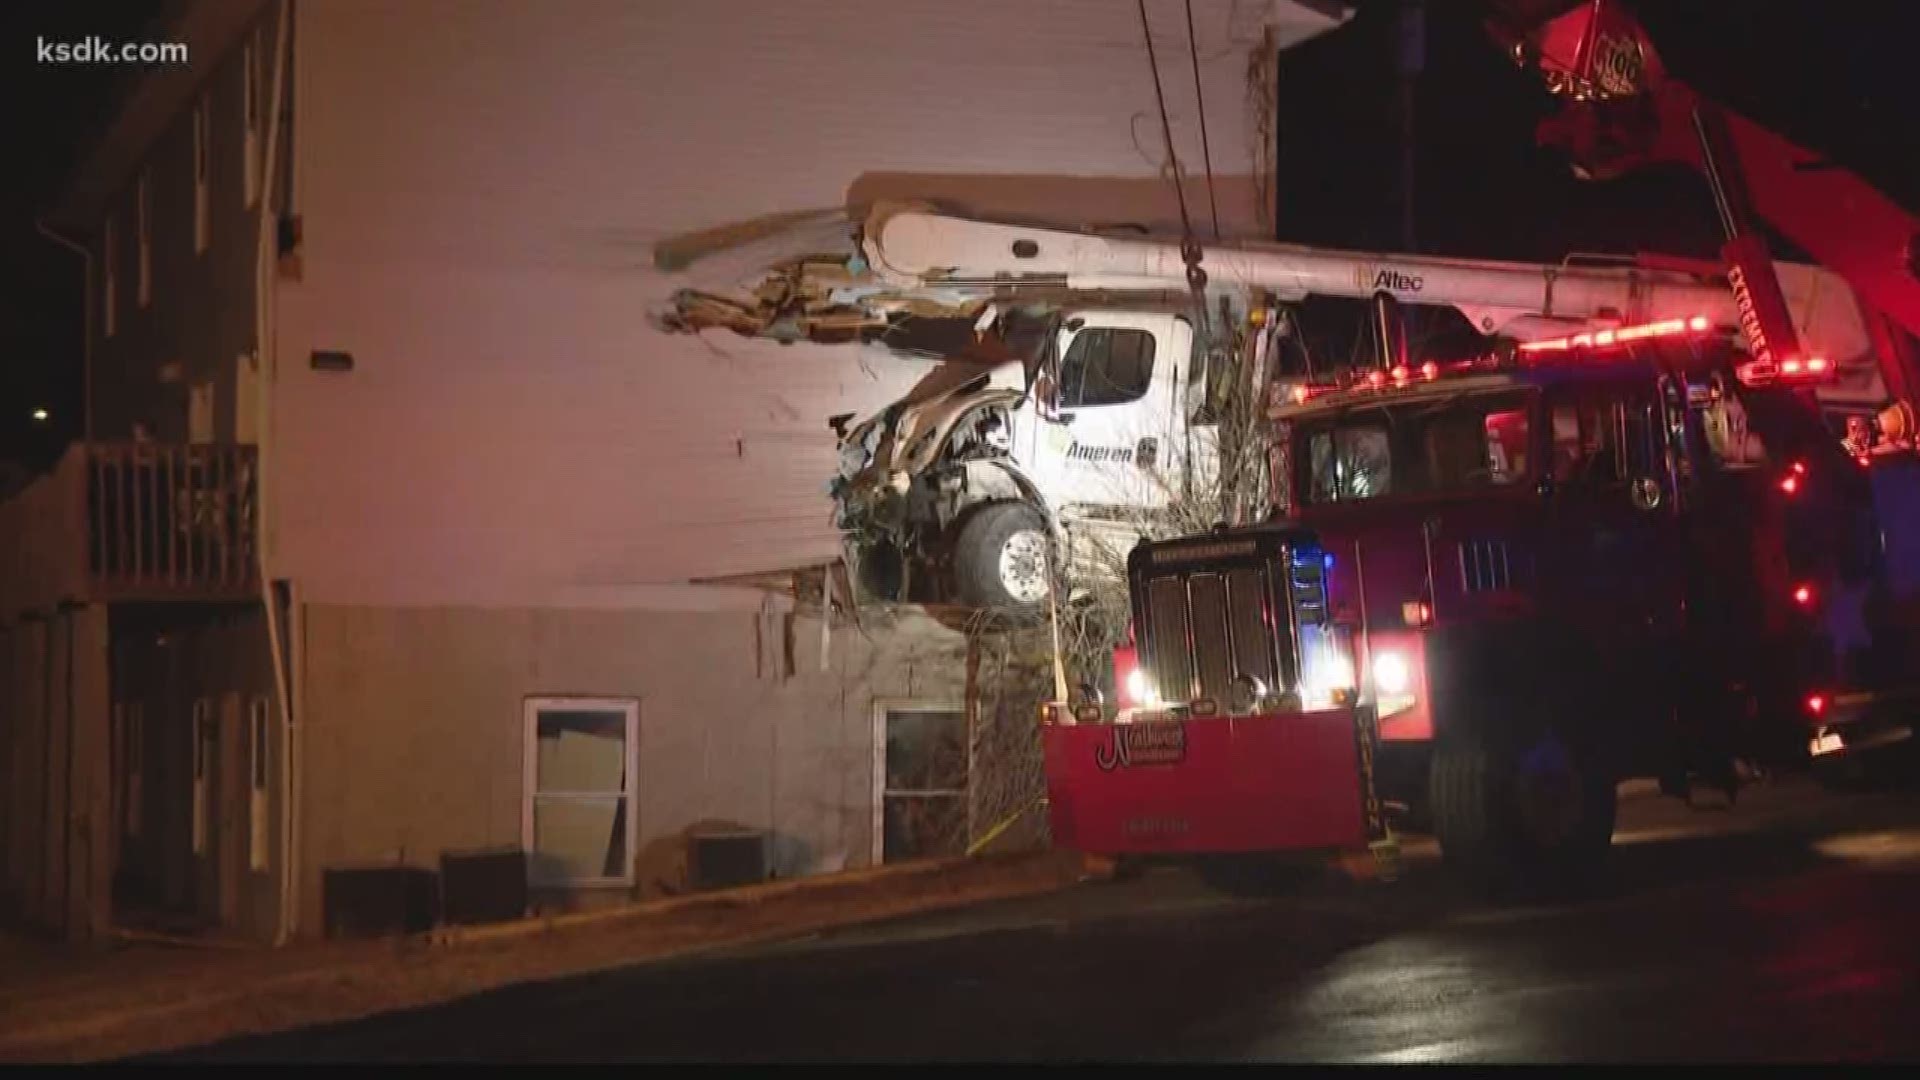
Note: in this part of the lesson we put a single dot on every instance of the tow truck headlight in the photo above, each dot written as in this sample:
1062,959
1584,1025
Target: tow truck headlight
1328,675
1391,673
1140,690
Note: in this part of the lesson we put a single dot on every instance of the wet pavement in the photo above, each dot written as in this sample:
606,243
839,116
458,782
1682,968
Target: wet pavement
1782,930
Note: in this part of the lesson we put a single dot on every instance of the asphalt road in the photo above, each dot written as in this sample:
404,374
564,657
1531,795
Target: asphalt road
1782,930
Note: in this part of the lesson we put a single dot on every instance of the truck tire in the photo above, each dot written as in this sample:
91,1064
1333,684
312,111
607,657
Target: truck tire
1527,813
1000,559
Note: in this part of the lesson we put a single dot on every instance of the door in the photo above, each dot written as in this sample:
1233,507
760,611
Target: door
1107,430
1620,551
1614,513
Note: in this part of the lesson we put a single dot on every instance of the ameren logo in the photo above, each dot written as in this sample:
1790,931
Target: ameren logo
1375,278
95,50
1082,452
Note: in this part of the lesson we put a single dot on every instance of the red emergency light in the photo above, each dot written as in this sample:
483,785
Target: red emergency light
1816,703
1803,595
1602,339
1791,370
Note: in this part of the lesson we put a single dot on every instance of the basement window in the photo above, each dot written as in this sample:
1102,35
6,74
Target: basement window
578,819
921,768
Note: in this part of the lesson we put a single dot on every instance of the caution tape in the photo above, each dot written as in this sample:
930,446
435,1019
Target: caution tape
1006,823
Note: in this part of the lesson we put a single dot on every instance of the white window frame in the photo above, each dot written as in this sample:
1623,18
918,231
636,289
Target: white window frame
109,295
259,779
250,108
143,217
530,780
201,151
881,707
202,731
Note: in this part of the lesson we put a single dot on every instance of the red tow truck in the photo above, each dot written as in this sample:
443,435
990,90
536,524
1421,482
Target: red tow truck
1263,747
1636,551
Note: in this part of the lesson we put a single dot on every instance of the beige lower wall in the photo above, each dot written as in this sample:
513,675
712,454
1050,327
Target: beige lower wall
54,735
414,726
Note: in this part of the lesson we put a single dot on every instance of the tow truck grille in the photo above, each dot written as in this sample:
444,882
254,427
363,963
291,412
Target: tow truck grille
1172,662
1207,628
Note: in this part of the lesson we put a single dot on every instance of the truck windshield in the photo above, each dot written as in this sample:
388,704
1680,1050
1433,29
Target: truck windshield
1428,447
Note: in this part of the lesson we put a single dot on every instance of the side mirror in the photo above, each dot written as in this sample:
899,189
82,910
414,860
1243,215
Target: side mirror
1063,418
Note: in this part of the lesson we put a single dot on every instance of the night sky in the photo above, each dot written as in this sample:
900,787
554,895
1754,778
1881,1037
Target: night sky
1837,76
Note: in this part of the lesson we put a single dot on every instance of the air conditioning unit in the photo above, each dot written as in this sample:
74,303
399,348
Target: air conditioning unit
483,885
726,859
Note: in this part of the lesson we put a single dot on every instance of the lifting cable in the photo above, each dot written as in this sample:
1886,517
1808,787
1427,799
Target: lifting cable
1200,103
1189,244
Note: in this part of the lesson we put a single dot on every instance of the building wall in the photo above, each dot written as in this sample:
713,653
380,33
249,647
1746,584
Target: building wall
199,318
479,186
414,732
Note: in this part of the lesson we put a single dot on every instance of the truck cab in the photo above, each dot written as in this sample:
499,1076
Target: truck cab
1540,576
963,490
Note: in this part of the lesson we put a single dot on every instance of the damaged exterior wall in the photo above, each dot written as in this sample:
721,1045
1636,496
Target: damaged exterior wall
480,187
509,492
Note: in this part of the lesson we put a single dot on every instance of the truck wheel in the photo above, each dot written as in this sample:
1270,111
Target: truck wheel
1527,813
1000,559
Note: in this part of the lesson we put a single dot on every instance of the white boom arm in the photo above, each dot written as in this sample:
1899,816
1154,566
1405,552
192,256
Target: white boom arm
912,247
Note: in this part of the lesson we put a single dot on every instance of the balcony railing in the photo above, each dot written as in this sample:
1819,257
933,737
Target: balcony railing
170,521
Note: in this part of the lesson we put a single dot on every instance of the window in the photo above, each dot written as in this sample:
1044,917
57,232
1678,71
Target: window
201,226
1350,463
143,279
1106,366
921,769
258,731
1588,438
109,296
250,123
1422,447
578,818
202,754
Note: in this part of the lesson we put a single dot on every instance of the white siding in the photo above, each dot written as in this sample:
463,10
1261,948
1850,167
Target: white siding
481,184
